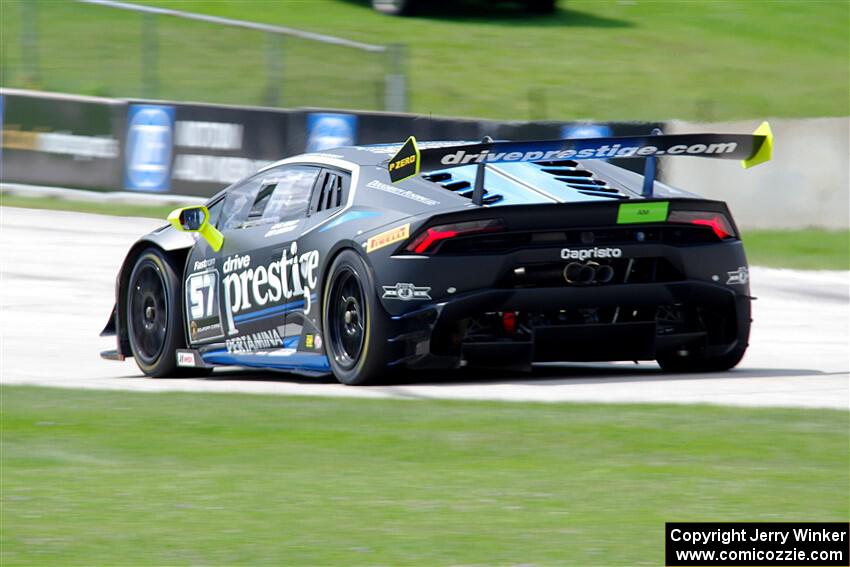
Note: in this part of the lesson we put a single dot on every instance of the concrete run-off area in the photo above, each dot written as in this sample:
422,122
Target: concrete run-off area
57,277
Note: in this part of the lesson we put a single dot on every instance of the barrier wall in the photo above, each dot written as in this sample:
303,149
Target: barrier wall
806,184
59,140
198,149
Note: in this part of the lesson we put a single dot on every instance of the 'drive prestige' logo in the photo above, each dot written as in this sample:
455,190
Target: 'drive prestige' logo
585,253
292,276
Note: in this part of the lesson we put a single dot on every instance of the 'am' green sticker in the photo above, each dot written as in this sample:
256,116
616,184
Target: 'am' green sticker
631,213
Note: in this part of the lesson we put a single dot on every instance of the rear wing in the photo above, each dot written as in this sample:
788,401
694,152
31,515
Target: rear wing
751,149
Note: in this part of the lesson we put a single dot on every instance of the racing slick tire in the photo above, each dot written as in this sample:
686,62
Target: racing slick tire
698,360
396,7
154,316
356,327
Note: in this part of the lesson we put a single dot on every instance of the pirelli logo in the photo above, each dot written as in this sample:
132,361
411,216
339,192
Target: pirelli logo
406,162
391,236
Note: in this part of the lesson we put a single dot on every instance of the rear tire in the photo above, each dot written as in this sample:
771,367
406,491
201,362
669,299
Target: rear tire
699,360
154,315
355,325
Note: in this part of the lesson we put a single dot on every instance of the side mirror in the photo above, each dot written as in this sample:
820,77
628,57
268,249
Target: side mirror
193,218
196,219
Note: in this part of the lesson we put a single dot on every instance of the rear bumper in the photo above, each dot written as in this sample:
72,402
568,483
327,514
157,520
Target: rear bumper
541,299
599,341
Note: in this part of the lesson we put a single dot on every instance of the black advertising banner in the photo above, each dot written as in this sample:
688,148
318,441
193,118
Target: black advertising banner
198,149
63,141
743,544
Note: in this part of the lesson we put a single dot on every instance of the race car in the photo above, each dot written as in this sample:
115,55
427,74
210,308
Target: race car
363,261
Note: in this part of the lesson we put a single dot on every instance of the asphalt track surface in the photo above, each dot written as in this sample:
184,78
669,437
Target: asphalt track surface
57,272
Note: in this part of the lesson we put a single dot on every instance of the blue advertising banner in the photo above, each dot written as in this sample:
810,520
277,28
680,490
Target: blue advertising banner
150,135
586,131
326,131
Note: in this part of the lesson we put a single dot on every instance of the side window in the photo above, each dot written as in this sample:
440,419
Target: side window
239,202
215,211
331,191
271,196
286,193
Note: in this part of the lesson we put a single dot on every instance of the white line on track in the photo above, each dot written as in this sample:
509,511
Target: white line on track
57,272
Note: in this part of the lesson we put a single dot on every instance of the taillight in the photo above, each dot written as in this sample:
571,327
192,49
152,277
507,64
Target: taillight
717,221
428,240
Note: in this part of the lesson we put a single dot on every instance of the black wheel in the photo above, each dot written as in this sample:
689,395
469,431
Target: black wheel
356,327
395,7
540,6
712,358
155,317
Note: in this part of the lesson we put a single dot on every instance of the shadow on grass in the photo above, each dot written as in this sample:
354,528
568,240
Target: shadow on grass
507,13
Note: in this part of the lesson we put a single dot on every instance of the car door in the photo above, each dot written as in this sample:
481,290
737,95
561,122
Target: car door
253,272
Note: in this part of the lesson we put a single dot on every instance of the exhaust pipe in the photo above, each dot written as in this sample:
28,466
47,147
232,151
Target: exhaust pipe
583,274
604,274
576,273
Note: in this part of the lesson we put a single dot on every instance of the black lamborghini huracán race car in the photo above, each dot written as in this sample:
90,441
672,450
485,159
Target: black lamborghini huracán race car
362,260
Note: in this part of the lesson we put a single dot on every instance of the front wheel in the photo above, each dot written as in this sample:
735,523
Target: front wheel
356,327
155,317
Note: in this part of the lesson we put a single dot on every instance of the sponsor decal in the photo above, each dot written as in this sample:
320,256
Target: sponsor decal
388,237
318,341
253,342
245,287
326,131
202,304
185,358
375,184
406,162
206,332
585,253
406,292
308,341
282,227
632,213
738,277
148,148
209,263
462,157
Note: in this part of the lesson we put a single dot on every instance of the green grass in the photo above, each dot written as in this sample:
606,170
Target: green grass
607,60
123,478
810,249
97,207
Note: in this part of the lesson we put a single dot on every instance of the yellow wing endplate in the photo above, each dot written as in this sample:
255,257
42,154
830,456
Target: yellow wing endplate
406,162
196,219
765,151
